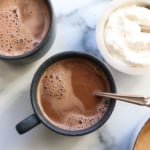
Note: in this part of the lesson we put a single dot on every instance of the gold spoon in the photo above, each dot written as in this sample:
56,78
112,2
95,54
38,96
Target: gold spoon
135,99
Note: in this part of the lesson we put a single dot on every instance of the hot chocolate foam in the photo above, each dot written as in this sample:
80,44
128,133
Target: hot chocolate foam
23,25
54,84
79,122
65,94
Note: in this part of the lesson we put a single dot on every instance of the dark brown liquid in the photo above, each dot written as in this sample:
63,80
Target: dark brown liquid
65,94
23,25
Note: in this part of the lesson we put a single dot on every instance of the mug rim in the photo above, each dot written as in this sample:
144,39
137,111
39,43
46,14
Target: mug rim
55,58
44,40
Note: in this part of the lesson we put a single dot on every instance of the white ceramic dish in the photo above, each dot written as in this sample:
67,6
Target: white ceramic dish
112,61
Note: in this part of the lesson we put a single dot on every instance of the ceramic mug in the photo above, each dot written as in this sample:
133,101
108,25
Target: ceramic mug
38,116
42,47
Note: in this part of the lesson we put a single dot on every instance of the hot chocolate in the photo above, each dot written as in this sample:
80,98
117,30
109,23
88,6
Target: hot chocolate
23,25
65,94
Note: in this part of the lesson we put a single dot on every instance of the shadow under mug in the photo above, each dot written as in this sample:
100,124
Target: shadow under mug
38,116
44,45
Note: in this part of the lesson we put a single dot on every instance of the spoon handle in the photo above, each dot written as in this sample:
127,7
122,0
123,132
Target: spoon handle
135,99
145,28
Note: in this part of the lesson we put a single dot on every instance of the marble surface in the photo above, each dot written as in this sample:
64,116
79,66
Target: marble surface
76,21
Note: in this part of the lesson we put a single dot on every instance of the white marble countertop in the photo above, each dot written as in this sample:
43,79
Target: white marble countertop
76,21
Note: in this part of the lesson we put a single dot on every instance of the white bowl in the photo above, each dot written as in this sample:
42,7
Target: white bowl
112,61
137,131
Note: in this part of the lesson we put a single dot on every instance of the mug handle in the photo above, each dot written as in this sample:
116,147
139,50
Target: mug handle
27,124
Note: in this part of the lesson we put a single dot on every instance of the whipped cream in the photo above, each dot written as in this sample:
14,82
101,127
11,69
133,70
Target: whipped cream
124,38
